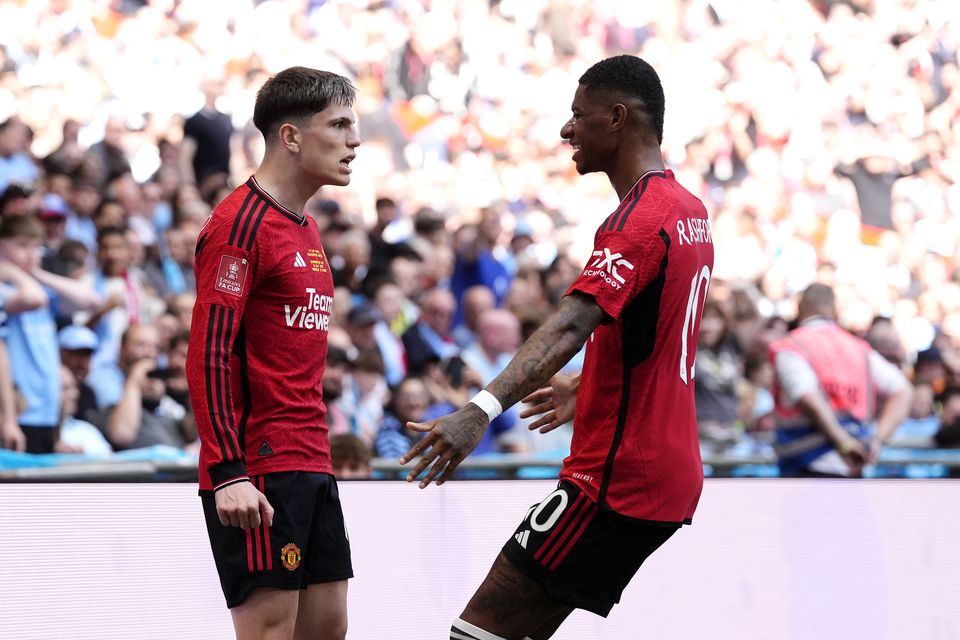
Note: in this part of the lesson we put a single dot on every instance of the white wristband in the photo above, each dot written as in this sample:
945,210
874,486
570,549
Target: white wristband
488,403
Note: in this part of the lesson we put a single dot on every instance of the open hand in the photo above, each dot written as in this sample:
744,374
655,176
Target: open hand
449,440
555,404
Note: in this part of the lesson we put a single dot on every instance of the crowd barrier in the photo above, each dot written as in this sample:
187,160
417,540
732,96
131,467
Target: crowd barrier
793,559
166,464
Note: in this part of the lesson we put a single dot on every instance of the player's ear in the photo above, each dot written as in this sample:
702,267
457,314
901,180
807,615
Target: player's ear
289,135
618,116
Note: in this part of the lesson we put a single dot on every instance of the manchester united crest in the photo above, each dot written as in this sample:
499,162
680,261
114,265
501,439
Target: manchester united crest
290,556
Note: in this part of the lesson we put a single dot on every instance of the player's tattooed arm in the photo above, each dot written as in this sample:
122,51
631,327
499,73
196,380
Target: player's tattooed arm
548,349
450,439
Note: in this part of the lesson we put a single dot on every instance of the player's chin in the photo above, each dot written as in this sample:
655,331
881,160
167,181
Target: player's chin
340,179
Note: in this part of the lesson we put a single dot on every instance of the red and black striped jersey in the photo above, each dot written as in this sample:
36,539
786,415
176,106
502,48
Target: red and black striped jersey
258,340
635,446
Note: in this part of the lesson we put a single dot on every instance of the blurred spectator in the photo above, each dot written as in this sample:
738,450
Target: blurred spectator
381,250
429,338
350,457
31,330
16,165
758,373
117,282
11,436
353,264
476,301
498,338
476,263
77,435
206,136
827,383
333,382
17,199
884,339
369,333
84,200
53,215
109,159
409,403
145,415
140,342
718,375
948,435
365,393
77,346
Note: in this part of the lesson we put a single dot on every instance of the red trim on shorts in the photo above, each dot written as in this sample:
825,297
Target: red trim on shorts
249,550
559,527
258,548
590,513
568,530
267,552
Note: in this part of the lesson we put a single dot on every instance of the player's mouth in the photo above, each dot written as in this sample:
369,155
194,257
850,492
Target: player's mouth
345,163
576,151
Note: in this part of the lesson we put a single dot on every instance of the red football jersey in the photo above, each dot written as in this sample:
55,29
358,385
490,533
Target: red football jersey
635,447
258,340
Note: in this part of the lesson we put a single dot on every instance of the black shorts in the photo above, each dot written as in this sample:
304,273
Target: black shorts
307,543
582,555
40,439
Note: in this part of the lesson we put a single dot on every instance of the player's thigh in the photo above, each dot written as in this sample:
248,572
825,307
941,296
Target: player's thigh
510,604
322,614
266,614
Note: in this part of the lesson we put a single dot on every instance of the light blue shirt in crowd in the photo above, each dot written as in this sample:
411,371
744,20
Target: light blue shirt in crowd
106,380
35,360
17,168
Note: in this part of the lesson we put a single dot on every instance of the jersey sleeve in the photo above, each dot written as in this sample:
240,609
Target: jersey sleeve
226,271
621,266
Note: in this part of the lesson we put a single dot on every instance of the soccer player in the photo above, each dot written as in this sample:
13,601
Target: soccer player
256,356
634,473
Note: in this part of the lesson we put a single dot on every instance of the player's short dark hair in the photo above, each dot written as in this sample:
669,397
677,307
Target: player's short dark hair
383,201
629,77
21,227
297,93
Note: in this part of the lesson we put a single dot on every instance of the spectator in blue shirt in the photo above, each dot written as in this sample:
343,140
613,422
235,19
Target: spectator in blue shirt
32,332
16,165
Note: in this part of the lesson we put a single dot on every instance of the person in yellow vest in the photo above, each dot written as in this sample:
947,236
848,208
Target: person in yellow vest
827,383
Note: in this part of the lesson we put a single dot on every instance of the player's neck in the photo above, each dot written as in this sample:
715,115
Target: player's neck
637,163
282,185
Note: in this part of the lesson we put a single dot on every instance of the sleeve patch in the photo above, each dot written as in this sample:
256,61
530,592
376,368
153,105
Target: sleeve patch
232,275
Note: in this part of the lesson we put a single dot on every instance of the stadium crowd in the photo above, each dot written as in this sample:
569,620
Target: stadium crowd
822,136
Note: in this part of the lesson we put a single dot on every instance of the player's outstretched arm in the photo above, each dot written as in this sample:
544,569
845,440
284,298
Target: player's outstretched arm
555,403
451,438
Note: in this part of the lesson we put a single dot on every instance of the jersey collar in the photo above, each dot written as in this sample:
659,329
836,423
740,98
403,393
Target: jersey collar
299,218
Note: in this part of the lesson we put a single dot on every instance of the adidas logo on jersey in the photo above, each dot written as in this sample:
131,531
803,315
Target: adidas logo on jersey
298,261
522,538
265,449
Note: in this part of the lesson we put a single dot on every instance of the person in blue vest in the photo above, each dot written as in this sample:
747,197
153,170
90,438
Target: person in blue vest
826,386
